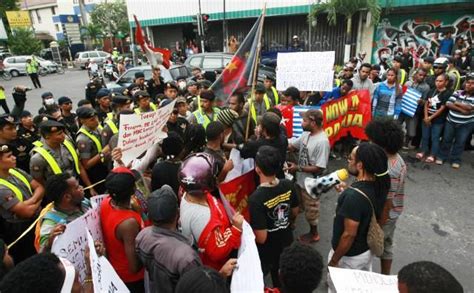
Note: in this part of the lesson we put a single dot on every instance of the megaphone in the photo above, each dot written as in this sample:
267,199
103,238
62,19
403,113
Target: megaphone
317,186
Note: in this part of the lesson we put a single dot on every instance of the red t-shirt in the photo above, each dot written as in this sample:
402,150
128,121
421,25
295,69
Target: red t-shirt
110,218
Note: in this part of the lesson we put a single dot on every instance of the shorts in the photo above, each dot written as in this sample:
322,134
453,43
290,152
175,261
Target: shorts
311,207
388,231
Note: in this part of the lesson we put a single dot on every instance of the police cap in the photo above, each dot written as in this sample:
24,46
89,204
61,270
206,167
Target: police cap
85,112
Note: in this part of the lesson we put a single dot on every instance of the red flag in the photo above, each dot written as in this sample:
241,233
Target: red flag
238,190
287,118
155,55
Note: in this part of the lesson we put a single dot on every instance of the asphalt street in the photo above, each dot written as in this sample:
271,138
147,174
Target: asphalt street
436,225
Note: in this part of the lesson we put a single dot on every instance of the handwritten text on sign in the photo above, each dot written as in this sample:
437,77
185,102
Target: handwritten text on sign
347,280
138,132
104,277
72,243
307,71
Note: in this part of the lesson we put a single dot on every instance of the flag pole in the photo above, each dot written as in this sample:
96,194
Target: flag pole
254,73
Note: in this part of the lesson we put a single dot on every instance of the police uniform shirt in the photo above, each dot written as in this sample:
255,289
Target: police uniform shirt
106,133
8,198
101,114
133,88
71,123
85,146
260,108
40,169
27,136
20,151
155,89
91,90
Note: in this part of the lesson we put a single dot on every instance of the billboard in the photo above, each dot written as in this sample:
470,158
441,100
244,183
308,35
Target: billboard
18,19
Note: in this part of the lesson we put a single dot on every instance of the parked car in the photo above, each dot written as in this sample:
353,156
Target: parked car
82,58
4,55
217,61
127,78
16,65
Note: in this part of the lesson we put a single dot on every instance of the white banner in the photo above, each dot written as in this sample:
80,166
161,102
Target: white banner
347,280
138,132
104,277
72,243
307,71
248,276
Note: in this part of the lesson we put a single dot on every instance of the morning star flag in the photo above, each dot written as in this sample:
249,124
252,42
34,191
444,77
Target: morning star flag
298,111
155,56
237,76
410,101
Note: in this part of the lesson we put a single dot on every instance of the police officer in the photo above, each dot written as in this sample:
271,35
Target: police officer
156,84
53,154
207,112
138,85
48,102
93,87
92,154
143,103
9,135
27,134
171,90
69,117
271,92
20,200
119,103
260,104
103,104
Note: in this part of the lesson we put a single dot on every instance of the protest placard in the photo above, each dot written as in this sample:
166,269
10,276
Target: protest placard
248,277
138,132
307,71
104,277
348,280
97,200
72,243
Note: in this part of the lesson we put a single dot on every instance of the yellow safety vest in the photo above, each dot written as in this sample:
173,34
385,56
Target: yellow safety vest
275,95
431,72
112,126
50,159
338,82
403,76
14,188
203,119
457,86
253,111
94,139
110,115
152,106
2,95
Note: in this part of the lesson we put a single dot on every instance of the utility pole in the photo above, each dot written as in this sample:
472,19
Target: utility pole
200,21
83,13
224,30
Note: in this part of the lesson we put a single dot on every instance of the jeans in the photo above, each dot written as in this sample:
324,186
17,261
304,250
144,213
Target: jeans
433,132
459,133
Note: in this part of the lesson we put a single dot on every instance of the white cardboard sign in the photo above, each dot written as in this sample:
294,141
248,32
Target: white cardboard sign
347,280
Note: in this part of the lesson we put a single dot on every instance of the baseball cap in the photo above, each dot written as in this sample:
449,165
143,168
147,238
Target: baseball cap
270,77
85,112
121,100
171,85
6,119
50,126
260,88
46,94
397,59
208,95
139,74
180,99
429,59
120,179
103,92
64,100
141,94
162,204
292,92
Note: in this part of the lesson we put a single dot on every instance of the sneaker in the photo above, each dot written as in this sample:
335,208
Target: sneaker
439,162
455,165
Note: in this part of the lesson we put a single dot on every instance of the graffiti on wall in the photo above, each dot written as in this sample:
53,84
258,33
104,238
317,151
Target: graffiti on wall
419,36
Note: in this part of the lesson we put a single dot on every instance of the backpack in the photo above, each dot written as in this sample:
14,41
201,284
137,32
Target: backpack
375,235
45,214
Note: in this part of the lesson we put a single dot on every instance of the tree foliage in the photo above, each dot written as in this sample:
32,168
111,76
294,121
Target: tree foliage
92,32
22,41
111,18
346,8
7,5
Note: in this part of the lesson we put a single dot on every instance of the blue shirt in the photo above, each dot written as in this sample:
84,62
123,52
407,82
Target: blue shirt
385,102
329,96
446,46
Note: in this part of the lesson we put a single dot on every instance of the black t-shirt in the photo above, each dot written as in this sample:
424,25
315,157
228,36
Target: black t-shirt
353,205
219,158
165,172
71,124
437,99
270,209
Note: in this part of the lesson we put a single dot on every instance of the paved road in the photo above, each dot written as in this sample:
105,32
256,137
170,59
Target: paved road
437,223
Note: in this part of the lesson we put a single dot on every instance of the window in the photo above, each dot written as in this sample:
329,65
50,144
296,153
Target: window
93,54
85,55
20,60
102,54
10,60
212,63
195,62
38,16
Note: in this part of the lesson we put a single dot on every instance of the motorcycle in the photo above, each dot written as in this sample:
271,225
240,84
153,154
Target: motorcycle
50,69
5,75
110,71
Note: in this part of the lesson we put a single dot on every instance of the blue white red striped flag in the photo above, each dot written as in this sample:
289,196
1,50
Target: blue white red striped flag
410,101
297,119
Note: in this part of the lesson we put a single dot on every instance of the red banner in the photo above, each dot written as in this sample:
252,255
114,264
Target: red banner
237,192
349,114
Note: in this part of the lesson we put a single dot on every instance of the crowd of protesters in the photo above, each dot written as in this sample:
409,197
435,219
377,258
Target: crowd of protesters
182,236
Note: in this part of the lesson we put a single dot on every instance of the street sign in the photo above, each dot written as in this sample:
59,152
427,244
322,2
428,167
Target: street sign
18,19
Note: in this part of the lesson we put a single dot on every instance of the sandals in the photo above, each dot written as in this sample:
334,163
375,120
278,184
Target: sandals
430,159
420,156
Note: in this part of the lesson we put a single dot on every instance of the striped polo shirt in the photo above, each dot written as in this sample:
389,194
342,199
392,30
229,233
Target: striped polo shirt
458,117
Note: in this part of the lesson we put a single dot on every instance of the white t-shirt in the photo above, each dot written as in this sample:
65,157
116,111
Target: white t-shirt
313,151
193,218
